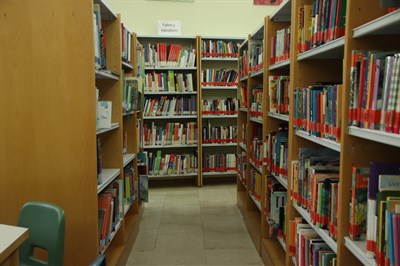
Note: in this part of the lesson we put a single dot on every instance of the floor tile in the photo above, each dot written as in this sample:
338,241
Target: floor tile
233,257
182,257
140,257
146,240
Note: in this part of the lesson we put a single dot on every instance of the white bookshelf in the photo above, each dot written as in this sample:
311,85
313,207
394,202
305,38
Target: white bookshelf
283,13
128,158
172,176
258,33
259,169
107,175
258,73
171,68
104,74
283,64
106,11
324,234
112,235
127,66
232,173
281,180
103,130
243,109
376,135
218,116
256,202
219,87
158,93
221,59
243,146
321,141
256,120
230,144
127,206
388,24
330,50
279,116
359,250
280,240
172,146
170,117
245,77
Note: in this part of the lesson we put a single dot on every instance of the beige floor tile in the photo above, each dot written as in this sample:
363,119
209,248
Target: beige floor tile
150,219
185,256
146,240
233,257
140,258
175,242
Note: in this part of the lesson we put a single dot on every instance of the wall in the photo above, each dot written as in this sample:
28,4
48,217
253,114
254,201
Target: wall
235,18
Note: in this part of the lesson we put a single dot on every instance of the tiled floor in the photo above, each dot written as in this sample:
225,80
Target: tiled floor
193,226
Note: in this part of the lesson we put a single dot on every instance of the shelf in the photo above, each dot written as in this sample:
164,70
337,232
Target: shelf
279,116
108,175
256,120
324,142
171,146
243,146
258,34
170,117
359,250
149,36
259,72
127,206
105,74
294,261
128,113
219,116
281,180
159,93
244,78
376,135
172,176
219,173
283,13
256,202
321,232
244,43
127,66
128,158
171,68
255,166
219,88
106,12
222,38
330,50
285,64
117,227
230,144
243,109
103,130
283,244
223,59
388,24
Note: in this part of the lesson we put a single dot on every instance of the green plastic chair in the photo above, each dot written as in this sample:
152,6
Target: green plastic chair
46,225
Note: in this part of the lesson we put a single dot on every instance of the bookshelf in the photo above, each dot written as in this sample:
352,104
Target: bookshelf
59,149
171,98
217,72
367,27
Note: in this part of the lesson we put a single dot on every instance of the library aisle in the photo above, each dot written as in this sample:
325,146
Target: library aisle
193,226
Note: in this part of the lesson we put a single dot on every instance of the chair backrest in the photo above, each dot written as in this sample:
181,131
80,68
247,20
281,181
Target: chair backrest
46,225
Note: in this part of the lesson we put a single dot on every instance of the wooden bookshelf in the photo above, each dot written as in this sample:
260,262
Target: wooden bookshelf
57,142
367,27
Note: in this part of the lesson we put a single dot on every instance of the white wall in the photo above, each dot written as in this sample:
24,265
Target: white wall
235,18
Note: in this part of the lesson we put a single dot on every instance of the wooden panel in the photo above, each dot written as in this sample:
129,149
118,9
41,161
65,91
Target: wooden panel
47,111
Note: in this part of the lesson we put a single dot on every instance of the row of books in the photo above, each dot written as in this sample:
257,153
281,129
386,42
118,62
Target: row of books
314,186
99,39
165,106
375,210
374,93
126,43
317,110
164,55
219,77
243,96
276,197
256,55
255,184
99,160
103,112
242,167
130,184
279,94
170,134
222,162
257,151
243,69
132,94
280,46
320,23
219,134
307,247
211,48
244,133
171,164
256,104
110,212
276,152
159,82
228,106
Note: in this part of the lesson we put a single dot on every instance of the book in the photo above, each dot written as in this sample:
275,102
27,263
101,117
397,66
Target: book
358,204
104,114
143,188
